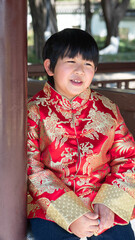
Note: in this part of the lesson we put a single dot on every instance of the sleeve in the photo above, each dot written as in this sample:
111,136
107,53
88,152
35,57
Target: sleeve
118,190
48,191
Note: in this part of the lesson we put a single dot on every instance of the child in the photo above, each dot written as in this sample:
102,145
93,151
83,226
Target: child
81,156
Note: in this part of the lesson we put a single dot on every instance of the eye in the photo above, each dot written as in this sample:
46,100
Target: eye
88,64
70,61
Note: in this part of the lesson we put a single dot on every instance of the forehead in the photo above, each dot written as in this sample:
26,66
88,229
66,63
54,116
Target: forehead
77,56
72,52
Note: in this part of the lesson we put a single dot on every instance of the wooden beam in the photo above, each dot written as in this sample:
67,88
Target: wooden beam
111,67
13,77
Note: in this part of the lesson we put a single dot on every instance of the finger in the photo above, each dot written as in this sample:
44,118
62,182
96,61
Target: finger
93,228
94,222
91,215
102,222
89,234
96,209
109,221
105,222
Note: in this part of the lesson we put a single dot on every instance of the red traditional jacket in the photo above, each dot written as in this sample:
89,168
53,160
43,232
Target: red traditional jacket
80,152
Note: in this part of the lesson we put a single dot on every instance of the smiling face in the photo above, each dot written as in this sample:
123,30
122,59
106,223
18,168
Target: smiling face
71,75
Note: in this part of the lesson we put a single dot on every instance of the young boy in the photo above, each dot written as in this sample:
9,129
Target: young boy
81,156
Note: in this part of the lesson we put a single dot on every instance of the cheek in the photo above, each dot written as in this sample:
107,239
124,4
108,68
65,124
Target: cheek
59,71
90,74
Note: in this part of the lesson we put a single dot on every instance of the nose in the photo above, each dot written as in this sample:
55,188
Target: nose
79,69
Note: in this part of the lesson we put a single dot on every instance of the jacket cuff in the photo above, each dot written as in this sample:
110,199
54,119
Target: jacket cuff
119,201
66,209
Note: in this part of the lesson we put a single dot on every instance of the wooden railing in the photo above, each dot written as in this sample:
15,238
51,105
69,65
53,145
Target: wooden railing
117,83
36,71
112,67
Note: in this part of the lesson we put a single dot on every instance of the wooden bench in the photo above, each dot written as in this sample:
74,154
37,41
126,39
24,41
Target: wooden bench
124,98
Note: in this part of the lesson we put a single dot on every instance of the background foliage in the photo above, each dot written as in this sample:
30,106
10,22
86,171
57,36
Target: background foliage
126,48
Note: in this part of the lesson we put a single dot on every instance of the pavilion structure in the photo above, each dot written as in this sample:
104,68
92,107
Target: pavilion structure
13,127
13,94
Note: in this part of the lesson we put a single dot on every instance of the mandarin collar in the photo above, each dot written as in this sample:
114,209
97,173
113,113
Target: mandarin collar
77,102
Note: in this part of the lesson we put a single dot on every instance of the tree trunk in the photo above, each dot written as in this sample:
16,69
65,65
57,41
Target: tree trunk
52,17
38,13
88,16
43,15
113,11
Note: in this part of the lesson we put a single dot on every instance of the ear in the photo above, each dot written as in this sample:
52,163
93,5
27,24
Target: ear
95,69
47,67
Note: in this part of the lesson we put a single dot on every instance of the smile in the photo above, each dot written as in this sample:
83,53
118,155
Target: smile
76,81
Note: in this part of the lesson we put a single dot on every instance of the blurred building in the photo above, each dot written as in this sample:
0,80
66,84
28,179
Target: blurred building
71,14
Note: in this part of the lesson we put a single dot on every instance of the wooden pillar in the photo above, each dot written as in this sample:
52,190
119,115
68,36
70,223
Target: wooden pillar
13,79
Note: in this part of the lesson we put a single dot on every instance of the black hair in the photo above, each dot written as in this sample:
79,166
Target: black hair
69,42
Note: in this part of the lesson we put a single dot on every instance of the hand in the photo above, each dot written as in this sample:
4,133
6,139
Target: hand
106,217
86,225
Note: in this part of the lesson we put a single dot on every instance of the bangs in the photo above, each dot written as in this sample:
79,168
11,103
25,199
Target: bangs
79,42
72,51
70,43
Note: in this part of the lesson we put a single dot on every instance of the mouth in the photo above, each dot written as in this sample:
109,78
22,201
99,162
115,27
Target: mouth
76,82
